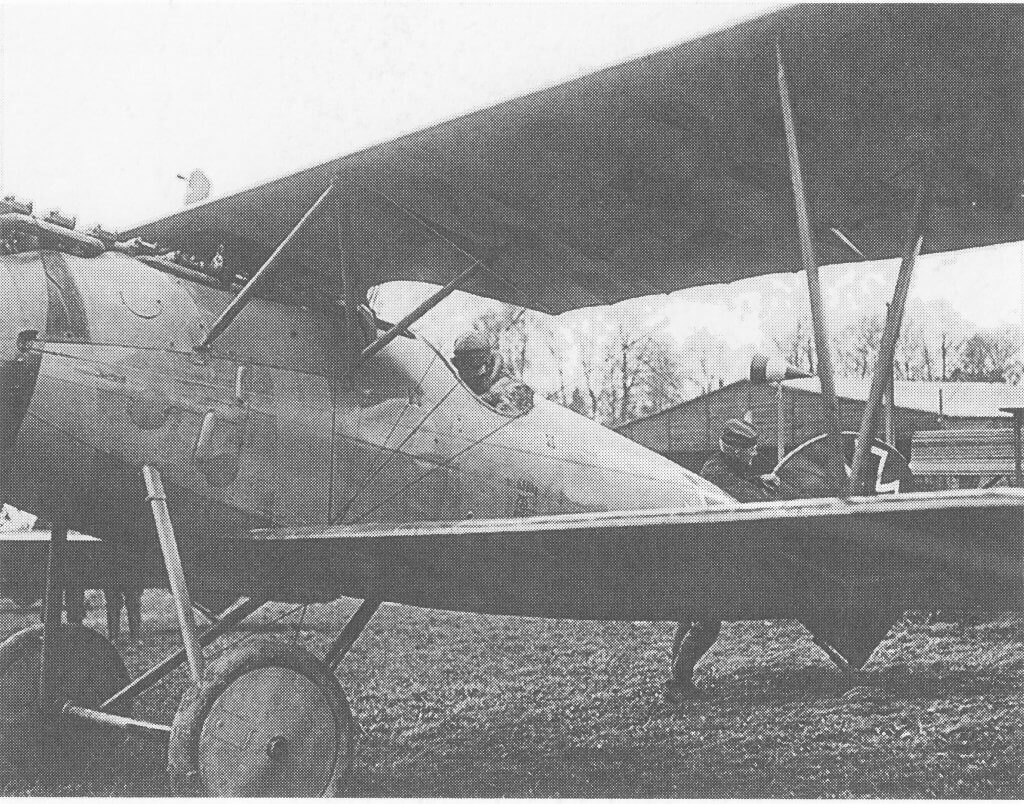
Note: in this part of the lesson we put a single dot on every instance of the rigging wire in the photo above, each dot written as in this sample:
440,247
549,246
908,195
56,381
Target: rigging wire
651,289
384,445
393,452
263,625
434,230
398,420
447,465
430,227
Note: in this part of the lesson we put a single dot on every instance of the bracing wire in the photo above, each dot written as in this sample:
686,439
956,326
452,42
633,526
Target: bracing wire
392,453
446,465
398,419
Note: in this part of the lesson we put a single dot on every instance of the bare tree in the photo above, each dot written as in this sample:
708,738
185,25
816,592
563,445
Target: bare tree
989,356
915,360
603,367
647,373
857,345
797,346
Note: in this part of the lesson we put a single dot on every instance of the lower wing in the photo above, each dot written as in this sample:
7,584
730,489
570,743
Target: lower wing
845,568
758,561
755,561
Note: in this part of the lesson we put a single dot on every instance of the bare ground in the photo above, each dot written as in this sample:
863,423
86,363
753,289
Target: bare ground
465,705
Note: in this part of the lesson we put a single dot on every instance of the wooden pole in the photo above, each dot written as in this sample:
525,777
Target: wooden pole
835,470
1018,468
1018,471
890,336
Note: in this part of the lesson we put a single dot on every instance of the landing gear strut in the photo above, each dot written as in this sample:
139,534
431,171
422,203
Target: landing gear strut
45,667
263,719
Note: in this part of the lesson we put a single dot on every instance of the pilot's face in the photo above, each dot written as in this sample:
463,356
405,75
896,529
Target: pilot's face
473,367
744,456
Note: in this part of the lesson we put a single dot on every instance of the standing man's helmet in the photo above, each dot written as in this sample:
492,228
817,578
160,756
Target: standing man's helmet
739,441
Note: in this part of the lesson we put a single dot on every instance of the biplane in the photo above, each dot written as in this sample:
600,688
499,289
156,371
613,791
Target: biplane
212,398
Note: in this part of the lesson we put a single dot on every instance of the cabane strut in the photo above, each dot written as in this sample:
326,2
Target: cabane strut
243,297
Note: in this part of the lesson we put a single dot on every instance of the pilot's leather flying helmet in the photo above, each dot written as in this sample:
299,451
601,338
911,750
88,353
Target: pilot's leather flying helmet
739,435
472,353
472,342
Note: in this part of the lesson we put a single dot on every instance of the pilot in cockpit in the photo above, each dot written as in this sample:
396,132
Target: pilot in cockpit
486,375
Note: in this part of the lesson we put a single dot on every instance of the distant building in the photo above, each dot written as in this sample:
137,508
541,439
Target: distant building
689,432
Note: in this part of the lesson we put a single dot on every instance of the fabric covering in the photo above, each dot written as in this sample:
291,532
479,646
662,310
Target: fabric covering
669,171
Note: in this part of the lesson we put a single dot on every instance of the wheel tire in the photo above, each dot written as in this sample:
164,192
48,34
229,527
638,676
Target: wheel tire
90,671
268,720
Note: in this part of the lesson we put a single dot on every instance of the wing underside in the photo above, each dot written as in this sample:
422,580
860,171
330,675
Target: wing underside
758,561
670,171
846,569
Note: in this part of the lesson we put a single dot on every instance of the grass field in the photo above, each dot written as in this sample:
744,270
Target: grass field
458,704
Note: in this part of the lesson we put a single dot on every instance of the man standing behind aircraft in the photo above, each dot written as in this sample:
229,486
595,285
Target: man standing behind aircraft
731,470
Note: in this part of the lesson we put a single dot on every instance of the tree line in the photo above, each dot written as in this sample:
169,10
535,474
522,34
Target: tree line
922,353
614,371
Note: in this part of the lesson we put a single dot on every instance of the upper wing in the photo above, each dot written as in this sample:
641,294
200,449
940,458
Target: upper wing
670,171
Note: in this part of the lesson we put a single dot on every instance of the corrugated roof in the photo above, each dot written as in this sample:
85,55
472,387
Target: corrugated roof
981,400
959,399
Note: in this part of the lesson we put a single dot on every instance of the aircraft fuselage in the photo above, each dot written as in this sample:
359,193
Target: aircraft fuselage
270,429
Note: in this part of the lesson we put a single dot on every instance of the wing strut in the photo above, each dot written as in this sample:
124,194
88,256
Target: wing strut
426,306
835,470
350,633
238,303
890,335
347,264
434,299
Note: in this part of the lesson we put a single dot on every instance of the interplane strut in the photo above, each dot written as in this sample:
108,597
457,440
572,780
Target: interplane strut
834,455
882,379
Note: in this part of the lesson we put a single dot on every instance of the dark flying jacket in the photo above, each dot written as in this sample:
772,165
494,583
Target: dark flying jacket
732,478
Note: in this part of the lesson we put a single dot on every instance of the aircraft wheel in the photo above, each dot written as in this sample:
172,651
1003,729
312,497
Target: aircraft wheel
90,671
268,720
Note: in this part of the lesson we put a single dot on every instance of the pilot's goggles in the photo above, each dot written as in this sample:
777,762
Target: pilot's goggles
471,360
750,450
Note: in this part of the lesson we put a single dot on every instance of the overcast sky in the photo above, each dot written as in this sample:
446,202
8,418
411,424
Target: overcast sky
101,106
